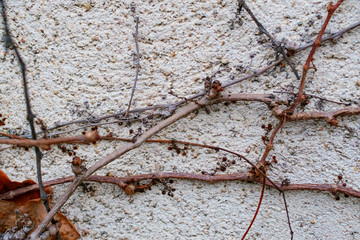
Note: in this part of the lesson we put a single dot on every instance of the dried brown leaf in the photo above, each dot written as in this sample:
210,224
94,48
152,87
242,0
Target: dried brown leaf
31,204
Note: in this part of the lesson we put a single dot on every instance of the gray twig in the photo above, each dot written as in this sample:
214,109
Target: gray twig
276,45
332,36
136,38
30,116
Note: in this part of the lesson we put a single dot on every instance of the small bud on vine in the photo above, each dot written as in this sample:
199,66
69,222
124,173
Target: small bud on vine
45,147
130,189
77,166
91,137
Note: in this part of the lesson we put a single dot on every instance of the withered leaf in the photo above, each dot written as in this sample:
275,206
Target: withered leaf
31,204
7,185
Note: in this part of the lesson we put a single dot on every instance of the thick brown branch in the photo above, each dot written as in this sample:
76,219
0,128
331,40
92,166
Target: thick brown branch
120,181
327,116
245,176
42,142
333,188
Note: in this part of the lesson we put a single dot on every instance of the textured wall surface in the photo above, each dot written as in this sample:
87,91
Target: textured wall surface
81,62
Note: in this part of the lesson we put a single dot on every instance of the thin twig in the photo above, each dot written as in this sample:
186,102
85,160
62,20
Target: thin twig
30,115
332,36
136,38
12,136
313,96
278,48
300,96
288,217
255,74
100,118
257,209
95,124
270,144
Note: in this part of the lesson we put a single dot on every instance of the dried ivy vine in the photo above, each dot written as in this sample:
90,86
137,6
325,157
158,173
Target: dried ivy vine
214,92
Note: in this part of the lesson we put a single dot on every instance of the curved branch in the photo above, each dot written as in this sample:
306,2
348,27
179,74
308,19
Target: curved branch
257,210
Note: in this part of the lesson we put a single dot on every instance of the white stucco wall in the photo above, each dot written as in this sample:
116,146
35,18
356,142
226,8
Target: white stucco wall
80,58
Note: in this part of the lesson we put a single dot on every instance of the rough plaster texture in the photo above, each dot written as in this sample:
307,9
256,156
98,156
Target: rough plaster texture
81,63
